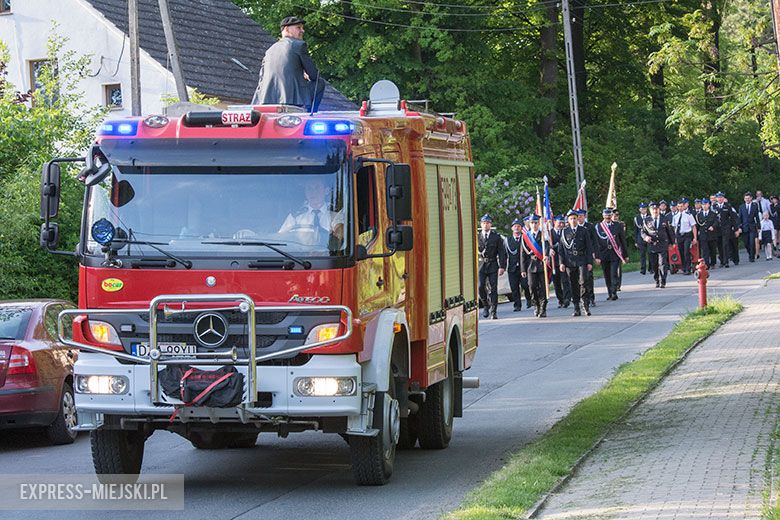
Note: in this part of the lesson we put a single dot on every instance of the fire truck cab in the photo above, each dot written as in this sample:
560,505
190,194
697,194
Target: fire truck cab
327,259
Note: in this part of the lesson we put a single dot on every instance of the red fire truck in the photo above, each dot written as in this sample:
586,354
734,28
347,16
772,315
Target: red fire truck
325,261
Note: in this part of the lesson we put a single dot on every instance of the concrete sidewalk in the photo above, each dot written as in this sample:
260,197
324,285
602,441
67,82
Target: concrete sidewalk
698,446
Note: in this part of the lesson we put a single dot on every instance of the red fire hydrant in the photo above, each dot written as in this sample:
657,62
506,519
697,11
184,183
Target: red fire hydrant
702,273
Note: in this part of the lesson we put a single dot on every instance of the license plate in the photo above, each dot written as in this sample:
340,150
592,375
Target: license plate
167,349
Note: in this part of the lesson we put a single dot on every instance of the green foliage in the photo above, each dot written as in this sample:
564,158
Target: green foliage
54,122
196,96
668,140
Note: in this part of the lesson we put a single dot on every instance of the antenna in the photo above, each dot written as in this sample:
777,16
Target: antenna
314,94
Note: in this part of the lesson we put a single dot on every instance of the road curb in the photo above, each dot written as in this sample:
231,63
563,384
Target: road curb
539,505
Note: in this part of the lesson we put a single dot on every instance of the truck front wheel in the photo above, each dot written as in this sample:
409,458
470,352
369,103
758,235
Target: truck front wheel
117,451
373,457
435,418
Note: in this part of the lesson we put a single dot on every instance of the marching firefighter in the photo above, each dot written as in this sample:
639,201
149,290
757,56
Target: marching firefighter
707,222
657,233
560,280
493,254
622,226
575,257
640,244
611,247
514,269
532,267
583,222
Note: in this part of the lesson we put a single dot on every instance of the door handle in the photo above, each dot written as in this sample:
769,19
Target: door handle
380,282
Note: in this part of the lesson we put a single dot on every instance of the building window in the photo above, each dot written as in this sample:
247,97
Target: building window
37,68
5,6
113,95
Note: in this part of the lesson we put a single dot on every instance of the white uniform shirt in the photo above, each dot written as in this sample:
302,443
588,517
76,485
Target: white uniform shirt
683,222
303,222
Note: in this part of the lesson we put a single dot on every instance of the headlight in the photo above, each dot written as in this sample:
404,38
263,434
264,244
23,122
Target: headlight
324,386
324,332
104,332
111,385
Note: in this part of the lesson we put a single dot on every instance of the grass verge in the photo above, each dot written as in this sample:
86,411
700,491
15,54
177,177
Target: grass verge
537,467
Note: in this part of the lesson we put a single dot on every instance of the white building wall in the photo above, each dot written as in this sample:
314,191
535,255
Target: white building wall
25,31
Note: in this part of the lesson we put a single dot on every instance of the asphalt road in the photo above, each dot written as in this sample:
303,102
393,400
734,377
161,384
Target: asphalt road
532,371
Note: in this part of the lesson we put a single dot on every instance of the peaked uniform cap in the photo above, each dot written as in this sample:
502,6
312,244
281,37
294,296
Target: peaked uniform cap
486,218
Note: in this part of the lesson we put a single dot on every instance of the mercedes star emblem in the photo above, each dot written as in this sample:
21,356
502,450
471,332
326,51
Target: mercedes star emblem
211,329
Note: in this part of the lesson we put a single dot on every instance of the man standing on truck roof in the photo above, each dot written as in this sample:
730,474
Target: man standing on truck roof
493,255
288,75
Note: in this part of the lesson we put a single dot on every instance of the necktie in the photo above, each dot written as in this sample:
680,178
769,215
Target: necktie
315,223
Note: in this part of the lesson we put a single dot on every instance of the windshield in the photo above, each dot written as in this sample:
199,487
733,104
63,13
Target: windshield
189,212
13,322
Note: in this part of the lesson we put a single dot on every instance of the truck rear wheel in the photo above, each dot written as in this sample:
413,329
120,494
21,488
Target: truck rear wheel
436,414
117,451
221,440
407,438
373,457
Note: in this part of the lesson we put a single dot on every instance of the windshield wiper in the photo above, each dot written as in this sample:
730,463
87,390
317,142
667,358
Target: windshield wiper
6,337
154,245
270,245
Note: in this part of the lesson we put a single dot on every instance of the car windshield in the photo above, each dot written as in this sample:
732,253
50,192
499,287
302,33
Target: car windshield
218,212
13,322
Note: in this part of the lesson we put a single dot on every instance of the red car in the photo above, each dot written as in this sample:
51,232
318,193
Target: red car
36,370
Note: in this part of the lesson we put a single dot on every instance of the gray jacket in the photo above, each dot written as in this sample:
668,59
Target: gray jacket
281,75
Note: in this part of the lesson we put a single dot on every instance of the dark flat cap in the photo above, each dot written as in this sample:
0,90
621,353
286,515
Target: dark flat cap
291,20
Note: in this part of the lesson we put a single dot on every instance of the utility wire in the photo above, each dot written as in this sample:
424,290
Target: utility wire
457,29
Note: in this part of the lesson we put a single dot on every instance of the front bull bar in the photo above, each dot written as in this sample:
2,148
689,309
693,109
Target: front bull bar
246,305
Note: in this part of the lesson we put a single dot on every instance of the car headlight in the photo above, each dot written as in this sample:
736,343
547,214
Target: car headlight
111,385
324,332
324,386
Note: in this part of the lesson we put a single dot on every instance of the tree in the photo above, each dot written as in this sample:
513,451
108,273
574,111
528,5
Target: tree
35,127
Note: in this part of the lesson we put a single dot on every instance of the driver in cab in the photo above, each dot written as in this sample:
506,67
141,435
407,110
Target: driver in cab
314,223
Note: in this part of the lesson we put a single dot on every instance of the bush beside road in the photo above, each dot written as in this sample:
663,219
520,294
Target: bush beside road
541,466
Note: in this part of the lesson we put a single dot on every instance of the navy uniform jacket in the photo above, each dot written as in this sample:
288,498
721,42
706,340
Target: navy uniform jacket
638,220
660,237
492,251
749,216
513,251
704,224
728,220
575,247
605,249
529,262
281,75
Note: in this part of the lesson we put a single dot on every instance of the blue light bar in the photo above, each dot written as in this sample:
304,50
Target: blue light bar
119,128
295,329
319,127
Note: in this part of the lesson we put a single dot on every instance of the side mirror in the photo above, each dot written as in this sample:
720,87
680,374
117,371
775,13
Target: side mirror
94,175
398,187
50,190
50,235
400,238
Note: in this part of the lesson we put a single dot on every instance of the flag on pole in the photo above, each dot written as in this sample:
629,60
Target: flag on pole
582,200
611,194
547,221
538,203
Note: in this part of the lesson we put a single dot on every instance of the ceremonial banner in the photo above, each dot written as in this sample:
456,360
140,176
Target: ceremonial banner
582,200
611,194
